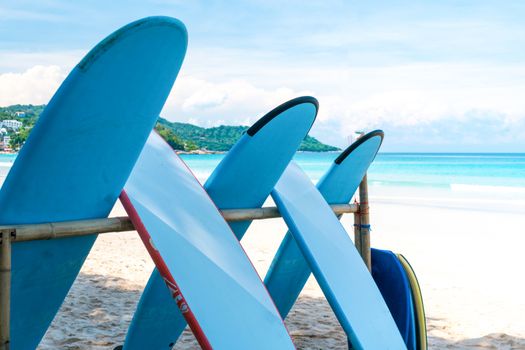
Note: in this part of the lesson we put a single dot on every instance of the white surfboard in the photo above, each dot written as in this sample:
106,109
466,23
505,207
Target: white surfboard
212,280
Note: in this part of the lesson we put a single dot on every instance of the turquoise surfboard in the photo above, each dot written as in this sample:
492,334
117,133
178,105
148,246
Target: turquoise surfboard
289,270
243,179
78,158
210,277
335,263
394,285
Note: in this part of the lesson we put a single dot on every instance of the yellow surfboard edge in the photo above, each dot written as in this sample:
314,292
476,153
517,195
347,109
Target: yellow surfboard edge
419,309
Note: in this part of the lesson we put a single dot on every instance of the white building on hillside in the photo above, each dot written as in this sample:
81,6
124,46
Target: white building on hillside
12,124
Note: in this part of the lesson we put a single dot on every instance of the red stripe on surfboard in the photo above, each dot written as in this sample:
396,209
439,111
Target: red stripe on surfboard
164,272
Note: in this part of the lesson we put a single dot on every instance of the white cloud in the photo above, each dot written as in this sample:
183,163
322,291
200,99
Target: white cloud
368,95
406,97
418,94
34,86
234,101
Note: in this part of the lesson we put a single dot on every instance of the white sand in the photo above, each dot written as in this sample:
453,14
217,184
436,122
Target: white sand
469,263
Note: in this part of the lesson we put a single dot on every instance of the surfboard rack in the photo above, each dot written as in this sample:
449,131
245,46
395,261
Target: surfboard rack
54,230
67,229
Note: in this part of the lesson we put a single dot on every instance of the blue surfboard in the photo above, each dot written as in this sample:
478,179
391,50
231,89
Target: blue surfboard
78,158
243,179
335,263
201,261
289,270
393,283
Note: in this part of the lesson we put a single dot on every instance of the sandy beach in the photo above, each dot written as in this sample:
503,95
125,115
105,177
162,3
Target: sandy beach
468,263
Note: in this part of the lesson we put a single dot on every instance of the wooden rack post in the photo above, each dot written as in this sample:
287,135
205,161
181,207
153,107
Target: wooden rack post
363,226
357,232
5,288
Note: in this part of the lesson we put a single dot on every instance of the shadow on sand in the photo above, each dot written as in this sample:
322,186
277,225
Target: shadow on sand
98,311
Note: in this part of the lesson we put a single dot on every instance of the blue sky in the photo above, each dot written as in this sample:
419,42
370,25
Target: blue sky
436,76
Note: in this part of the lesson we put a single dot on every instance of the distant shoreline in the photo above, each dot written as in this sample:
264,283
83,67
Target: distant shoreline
204,151
200,151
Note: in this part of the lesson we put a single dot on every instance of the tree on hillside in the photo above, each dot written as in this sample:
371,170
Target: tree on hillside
18,139
173,140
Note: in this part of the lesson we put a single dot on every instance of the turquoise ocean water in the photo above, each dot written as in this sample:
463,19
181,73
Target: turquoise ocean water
436,170
465,180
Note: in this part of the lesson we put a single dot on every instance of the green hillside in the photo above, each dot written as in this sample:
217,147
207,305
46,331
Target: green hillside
181,136
29,110
222,138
